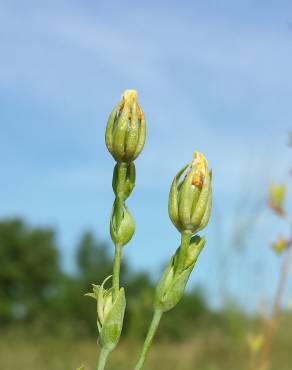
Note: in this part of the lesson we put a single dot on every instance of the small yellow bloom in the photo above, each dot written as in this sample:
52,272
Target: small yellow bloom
200,165
129,100
280,245
290,305
255,342
277,196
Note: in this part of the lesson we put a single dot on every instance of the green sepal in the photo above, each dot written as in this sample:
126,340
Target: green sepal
119,134
110,314
167,297
173,199
171,286
123,179
132,134
205,219
122,225
110,128
202,202
113,324
142,137
186,193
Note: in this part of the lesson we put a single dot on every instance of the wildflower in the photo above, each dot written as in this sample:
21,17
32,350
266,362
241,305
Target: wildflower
277,196
280,245
126,129
255,342
190,199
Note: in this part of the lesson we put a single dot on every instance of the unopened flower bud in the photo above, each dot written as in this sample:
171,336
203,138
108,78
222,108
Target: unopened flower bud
190,198
172,284
124,179
126,129
122,225
110,314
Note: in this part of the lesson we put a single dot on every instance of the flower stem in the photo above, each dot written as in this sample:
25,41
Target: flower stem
185,241
273,321
148,341
102,359
116,269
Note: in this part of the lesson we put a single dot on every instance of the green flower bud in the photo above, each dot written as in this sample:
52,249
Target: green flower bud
110,314
124,179
126,129
172,284
190,199
122,225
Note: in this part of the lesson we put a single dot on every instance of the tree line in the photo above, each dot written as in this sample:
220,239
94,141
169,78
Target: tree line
34,288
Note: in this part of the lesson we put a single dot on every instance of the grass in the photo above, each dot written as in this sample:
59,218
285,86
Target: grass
209,349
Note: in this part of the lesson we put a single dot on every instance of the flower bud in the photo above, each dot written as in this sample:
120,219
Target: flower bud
110,314
126,129
122,225
190,199
124,179
172,284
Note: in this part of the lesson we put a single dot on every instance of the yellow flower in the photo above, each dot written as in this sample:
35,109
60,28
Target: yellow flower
255,342
201,166
280,245
277,196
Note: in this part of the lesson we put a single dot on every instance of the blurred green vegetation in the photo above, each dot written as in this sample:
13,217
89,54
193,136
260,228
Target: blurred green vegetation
34,289
210,347
46,320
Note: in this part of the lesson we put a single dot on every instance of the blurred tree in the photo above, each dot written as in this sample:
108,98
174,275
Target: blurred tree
94,262
181,322
29,269
139,310
33,287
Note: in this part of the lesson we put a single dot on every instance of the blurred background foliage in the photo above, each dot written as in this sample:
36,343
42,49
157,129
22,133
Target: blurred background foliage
35,289
45,317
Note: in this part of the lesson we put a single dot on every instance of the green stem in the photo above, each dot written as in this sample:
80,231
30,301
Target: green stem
122,171
102,359
150,335
116,269
185,242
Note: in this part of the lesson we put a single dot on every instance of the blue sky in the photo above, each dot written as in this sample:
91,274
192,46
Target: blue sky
211,76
